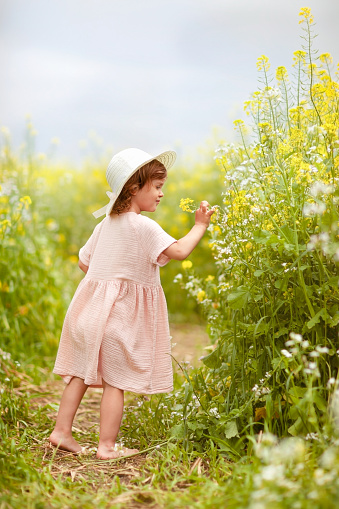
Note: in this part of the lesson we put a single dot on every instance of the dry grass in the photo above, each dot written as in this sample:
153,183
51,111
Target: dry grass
132,473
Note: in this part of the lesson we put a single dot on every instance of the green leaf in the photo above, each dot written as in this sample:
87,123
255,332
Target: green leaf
231,429
319,402
280,284
258,273
212,360
178,431
288,234
261,237
297,392
239,298
297,427
273,240
334,320
224,446
316,319
281,332
192,425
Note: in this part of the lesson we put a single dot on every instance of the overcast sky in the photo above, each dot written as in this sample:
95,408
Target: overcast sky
153,74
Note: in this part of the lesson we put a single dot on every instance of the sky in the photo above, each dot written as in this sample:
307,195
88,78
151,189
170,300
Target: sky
153,74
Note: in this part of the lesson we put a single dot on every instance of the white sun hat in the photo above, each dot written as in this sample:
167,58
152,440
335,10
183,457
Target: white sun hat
123,165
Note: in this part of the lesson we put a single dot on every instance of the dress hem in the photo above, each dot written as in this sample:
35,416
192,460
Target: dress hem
127,389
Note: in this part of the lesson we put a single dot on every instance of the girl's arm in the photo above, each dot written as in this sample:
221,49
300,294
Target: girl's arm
83,267
184,246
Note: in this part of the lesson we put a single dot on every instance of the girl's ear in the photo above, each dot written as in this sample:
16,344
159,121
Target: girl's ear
134,190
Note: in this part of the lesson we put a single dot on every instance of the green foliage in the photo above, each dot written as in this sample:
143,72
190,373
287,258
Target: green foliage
273,310
271,298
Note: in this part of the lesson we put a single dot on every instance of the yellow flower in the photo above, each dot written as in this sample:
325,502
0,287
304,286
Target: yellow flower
51,225
307,16
61,237
73,259
281,73
299,56
326,58
4,287
4,224
186,204
186,264
209,278
239,125
201,295
26,201
263,63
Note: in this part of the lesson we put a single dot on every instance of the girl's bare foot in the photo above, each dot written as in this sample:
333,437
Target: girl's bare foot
117,451
64,442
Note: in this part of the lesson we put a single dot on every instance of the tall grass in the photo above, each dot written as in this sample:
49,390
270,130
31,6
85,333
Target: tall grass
271,299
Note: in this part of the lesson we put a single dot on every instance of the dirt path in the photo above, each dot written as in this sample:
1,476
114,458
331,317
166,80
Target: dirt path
190,341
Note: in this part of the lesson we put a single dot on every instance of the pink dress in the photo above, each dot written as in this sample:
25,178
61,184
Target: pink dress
116,327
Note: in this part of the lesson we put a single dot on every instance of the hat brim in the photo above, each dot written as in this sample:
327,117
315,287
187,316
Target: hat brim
166,158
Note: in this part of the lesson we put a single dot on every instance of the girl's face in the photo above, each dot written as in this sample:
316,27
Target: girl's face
148,197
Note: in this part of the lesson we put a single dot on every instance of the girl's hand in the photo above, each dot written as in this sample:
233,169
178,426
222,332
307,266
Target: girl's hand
183,247
203,215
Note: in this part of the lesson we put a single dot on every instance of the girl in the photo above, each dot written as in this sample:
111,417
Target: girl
116,333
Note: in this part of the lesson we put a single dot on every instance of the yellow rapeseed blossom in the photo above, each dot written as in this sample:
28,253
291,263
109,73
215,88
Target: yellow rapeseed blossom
26,201
187,264
263,63
306,15
239,125
210,278
51,225
326,58
186,204
61,238
5,223
281,74
4,287
299,57
201,295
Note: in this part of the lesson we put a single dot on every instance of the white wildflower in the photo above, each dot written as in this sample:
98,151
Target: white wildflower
320,188
214,412
314,354
286,353
297,337
322,349
331,381
313,209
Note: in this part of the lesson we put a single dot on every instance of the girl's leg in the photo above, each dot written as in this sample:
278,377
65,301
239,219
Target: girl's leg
112,405
62,434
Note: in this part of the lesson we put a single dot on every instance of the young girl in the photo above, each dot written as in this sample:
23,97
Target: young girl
116,333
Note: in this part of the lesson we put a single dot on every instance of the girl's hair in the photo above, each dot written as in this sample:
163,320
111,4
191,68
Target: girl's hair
154,170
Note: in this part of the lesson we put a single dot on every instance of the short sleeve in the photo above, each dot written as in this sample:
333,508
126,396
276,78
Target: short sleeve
154,241
87,250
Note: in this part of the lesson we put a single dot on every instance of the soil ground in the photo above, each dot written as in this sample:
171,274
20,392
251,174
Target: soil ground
189,341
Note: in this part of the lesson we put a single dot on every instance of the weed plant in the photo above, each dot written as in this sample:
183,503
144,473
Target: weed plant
273,310
257,425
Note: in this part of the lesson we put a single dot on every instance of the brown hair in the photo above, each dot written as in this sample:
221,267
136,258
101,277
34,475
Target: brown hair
154,170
